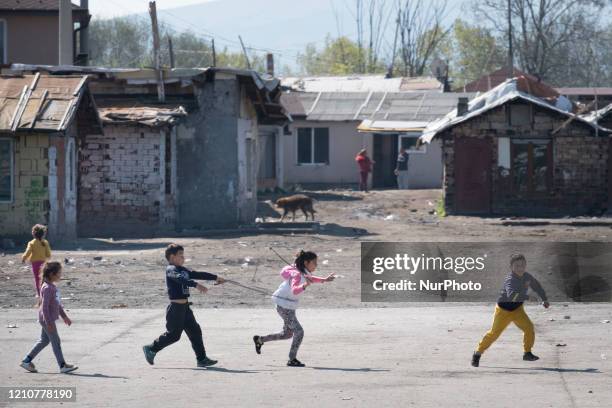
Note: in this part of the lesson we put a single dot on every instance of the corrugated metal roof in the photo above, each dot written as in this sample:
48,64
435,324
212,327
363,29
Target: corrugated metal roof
361,83
39,102
33,5
393,126
379,106
595,116
263,89
142,115
601,91
508,91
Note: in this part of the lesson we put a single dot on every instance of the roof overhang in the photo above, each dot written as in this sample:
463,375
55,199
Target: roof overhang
391,126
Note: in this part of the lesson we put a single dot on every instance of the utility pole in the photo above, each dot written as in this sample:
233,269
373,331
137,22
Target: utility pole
214,63
171,52
510,54
245,53
161,95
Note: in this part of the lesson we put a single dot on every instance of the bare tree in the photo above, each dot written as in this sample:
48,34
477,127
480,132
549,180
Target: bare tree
371,22
542,28
421,31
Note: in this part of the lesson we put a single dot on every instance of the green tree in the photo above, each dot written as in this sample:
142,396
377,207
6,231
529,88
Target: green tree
474,51
339,56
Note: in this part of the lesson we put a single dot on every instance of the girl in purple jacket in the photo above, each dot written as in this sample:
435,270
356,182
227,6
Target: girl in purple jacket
50,310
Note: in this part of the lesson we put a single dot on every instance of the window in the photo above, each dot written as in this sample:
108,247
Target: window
6,170
3,41
520,115
313,146
531,166
409,142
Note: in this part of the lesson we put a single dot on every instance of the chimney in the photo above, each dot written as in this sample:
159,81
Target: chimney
462,106
270,64
84,36
66,51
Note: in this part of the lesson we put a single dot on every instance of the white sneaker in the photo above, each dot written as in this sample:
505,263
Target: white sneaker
67,368
28,366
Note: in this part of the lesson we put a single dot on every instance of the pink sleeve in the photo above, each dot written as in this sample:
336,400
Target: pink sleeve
48,296
286,273
296,288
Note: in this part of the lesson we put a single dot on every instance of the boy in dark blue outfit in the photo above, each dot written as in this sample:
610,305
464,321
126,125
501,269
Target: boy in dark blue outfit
179,315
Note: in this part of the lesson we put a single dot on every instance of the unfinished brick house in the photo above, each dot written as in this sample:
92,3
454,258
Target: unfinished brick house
511,152
127,176
187,163
41,118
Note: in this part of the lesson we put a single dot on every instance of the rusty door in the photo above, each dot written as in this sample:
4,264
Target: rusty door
472,175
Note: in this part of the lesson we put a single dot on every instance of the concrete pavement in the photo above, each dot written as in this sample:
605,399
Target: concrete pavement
386,357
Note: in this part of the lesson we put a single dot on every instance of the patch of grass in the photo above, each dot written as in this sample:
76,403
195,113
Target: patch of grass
440,208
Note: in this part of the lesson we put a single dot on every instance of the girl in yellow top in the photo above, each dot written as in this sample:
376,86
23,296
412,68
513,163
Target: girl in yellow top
37,252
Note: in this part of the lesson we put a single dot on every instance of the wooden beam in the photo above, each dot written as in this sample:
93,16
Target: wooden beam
161,95
39,107
571,119
17,114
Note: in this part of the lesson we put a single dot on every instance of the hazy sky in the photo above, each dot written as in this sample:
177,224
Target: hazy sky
114,8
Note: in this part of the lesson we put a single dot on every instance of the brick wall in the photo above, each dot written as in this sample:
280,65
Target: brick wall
121,185
580,163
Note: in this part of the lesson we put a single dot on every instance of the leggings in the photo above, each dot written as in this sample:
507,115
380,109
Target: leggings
36,265
291,328
47,337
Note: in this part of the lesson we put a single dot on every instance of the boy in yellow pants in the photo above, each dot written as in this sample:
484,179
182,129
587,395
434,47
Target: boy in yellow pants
509,309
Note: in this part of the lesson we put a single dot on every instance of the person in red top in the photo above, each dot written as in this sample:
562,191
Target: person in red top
365,167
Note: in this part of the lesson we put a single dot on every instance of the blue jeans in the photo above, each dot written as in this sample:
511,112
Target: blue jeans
47,337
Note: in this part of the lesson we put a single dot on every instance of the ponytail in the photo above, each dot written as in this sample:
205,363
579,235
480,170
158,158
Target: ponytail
39,231
302,257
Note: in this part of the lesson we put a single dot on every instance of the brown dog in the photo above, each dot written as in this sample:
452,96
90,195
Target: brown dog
294,203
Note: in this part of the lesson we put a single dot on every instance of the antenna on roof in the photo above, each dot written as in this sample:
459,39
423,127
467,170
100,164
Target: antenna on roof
245,53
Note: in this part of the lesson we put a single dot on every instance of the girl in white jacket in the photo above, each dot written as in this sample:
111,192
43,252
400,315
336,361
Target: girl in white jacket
296,278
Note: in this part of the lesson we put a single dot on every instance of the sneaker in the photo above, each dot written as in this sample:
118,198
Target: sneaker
258,344
149,354
67,368
206,362
28,366
476,360
530,357
295,363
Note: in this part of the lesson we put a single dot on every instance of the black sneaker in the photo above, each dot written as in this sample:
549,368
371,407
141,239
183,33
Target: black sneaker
476,360
149,354
258,344
530,357
295,363
206,362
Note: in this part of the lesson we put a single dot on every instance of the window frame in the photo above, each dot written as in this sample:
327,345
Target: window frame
11,143
312,146
411,135
531,191
5,40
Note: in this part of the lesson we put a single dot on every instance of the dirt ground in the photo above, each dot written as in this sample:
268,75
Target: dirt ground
129,273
